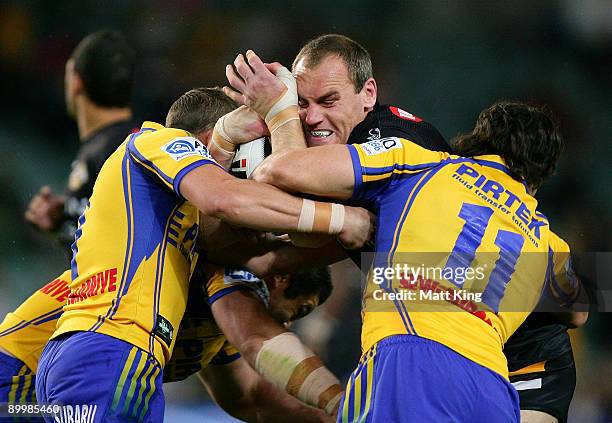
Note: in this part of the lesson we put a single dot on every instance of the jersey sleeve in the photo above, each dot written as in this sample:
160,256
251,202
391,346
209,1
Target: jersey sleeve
168,154
226,355
377,163
227,280
563,283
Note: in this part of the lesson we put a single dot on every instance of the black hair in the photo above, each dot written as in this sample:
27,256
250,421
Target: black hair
197,110
308,282
526,136
105,63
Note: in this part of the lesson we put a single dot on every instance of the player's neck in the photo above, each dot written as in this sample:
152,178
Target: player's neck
92,118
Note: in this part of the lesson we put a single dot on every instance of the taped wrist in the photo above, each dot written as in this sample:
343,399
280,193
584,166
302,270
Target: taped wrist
221,139
320,217
285,107
294,368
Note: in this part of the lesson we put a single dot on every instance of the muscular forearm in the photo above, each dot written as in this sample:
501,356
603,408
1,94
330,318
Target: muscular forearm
270,404
244,394
258,206
288,137
276,354
222,156
287,258
322,171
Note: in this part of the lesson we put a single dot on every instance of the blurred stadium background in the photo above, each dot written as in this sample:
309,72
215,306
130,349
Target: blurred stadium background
443,60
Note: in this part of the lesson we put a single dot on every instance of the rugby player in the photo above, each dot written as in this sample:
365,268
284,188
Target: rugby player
323,68
199,343
124,306
98,88
513,148
202,347
338,104
541,365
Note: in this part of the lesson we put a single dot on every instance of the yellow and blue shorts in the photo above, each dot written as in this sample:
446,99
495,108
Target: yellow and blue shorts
101,378
409,379
17,386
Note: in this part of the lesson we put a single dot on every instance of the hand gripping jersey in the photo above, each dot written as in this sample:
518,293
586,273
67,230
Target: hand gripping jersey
200,341
25,331
134,249
457,227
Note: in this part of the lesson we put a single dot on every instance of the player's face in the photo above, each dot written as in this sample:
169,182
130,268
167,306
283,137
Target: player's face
285,310
329,106
69,79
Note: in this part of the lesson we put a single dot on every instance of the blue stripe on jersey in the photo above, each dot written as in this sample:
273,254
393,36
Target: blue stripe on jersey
149,204
494,165
125,164
565,299
73,263
35,321
399,199
184,171
356,169
141,160
48,319
398,167
159,274
423,179
392,207
224,292
427,176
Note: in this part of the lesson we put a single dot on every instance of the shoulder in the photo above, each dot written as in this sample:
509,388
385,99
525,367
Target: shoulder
391,121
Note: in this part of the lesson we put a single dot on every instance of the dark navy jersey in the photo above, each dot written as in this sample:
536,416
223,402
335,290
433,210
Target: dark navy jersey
89,160
540,338
391,121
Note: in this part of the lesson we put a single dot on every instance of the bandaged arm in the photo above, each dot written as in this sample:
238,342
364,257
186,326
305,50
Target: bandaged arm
274,352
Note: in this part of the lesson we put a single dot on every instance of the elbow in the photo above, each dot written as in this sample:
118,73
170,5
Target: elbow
227,205
249,347
579,318
240,408
274,171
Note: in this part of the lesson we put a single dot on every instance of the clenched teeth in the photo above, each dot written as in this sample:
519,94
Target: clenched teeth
320,133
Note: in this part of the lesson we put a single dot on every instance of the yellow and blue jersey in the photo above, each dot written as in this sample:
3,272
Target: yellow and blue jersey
200,341
446,214
25,331
134,249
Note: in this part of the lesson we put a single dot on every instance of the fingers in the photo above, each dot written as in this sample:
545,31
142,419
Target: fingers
30,216
234,79
255,62
45,191
243,68
234,95
273,67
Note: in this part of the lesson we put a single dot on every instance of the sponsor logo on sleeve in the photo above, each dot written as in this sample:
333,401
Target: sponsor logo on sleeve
404,114
182,147
371,148
164,329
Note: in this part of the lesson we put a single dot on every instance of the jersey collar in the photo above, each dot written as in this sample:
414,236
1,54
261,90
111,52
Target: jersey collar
493,160
147,124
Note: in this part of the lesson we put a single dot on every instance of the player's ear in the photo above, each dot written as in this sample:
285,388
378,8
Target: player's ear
204,136
369,94
278,282
77,85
